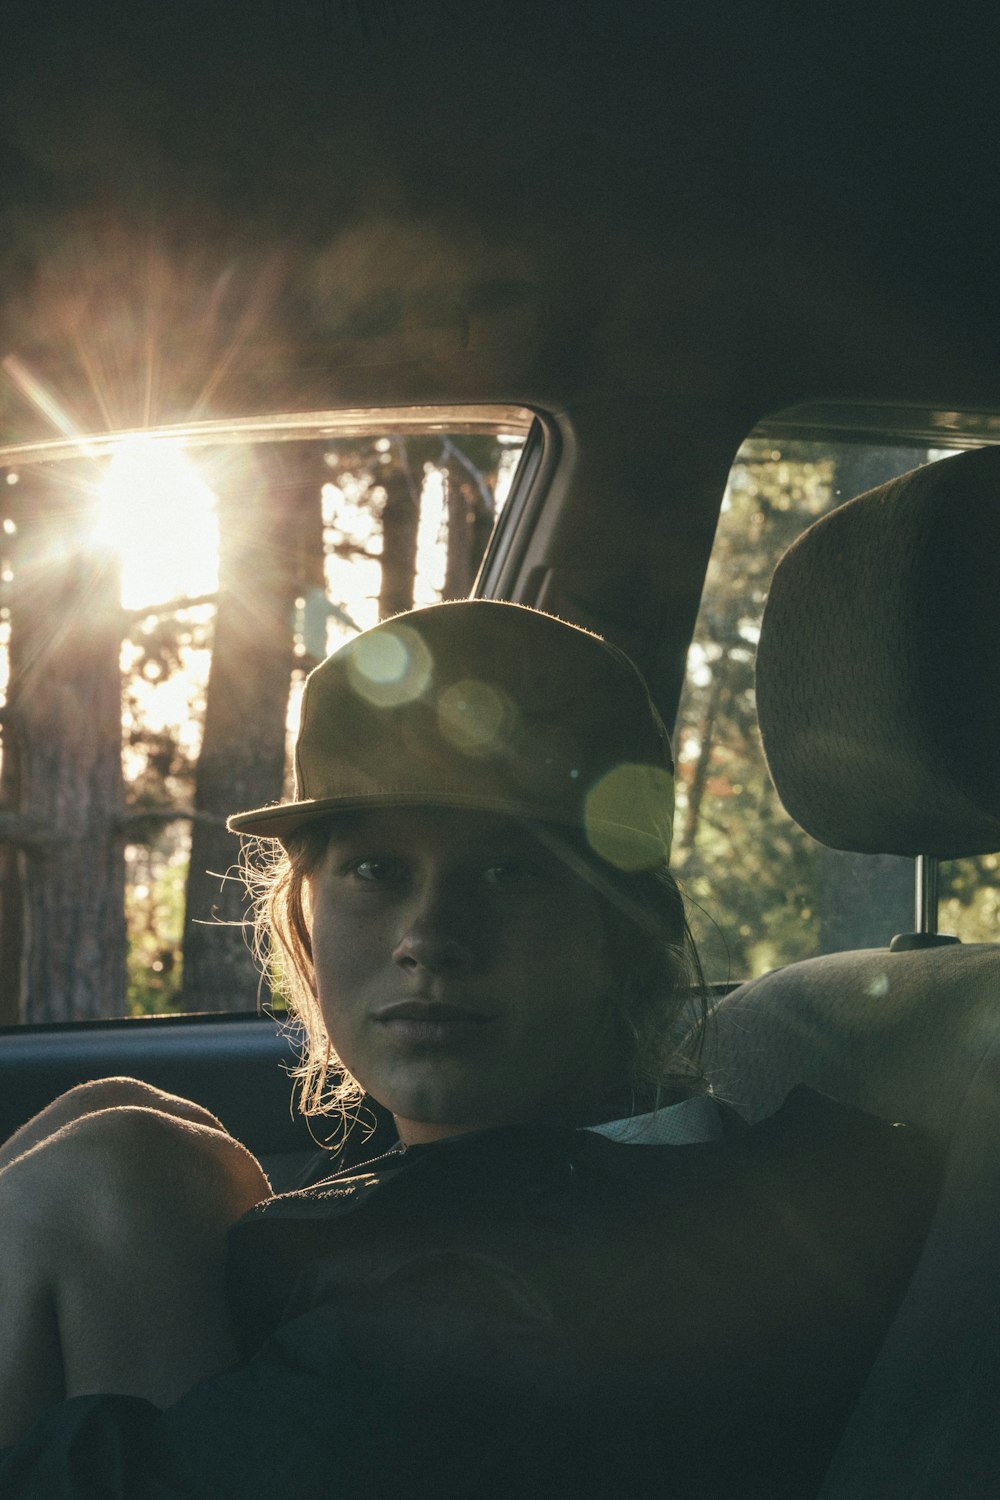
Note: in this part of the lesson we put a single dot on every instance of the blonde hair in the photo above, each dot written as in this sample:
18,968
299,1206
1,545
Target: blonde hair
659,1008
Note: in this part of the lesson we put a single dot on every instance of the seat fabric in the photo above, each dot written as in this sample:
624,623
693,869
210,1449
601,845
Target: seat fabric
915,1036
901,1035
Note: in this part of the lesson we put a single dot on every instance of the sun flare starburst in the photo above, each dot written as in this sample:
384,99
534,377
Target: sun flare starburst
158,513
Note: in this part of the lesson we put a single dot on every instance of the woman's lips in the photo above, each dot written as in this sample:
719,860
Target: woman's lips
431,1021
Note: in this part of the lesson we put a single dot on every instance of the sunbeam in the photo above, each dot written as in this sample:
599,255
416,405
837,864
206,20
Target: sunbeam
158,513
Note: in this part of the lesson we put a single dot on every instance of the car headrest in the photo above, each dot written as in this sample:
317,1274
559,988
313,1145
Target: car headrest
878,668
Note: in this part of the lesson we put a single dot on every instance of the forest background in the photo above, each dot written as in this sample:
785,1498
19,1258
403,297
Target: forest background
132,728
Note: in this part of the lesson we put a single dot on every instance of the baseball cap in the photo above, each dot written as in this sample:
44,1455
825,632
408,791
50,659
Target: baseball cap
490,706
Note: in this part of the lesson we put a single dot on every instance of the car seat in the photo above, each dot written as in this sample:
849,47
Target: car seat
878,685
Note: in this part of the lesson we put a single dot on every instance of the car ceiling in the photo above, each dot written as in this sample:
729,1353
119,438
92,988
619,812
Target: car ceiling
658,222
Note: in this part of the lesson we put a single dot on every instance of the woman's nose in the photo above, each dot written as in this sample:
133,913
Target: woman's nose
437,936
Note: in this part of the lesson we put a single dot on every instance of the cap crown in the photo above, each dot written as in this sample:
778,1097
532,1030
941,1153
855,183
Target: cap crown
486,705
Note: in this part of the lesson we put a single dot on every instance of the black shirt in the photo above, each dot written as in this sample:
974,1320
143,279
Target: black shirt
537,1312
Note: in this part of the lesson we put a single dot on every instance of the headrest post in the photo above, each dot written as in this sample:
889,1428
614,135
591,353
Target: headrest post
926,911
926,907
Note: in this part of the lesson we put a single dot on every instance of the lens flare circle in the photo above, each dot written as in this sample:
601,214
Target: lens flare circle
473,716
629,814
390,668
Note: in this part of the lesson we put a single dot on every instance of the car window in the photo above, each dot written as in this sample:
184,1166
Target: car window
158,588
762,891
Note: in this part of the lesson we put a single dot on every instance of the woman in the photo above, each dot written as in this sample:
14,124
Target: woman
570,1272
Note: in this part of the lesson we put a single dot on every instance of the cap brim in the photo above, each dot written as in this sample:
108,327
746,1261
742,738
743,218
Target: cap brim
280,819
634,848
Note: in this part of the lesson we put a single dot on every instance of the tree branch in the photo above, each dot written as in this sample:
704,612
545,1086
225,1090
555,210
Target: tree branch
168,815
170,607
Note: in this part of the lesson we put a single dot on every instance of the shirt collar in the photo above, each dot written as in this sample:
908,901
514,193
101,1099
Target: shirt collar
687,1123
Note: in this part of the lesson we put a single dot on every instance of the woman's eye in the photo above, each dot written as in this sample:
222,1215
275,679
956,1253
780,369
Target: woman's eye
378,871
512,875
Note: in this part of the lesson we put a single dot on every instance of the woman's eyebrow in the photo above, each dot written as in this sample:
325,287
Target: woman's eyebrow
345,826
505,839
502,853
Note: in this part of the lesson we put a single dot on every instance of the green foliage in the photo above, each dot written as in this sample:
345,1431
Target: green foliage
751,875
970,898
154,912
756,883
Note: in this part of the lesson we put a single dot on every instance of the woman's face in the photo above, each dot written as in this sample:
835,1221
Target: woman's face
462,970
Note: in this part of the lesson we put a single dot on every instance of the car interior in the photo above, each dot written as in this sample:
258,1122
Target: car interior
879,748
651,295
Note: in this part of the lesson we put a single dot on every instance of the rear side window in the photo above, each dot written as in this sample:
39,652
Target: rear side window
762,891
163,597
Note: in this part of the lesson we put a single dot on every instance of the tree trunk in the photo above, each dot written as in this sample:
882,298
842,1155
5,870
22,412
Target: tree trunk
242,760
471,514
465,544
400,519
11,925
459,566
63,895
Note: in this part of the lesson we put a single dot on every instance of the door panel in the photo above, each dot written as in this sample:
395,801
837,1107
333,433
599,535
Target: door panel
235,1065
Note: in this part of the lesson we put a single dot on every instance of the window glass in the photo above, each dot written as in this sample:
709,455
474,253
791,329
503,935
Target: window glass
762,891
163,598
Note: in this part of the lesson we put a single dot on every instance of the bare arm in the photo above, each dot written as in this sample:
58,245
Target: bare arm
88,1098
115,1217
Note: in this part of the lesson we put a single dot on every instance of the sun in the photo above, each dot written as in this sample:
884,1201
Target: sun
159,514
